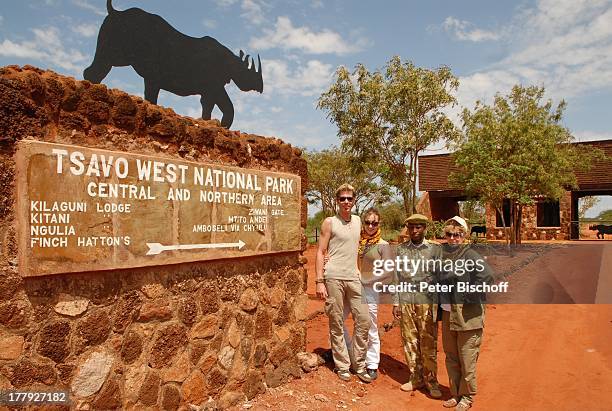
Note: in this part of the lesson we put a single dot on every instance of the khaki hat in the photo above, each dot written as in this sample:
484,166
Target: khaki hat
416,219
459,221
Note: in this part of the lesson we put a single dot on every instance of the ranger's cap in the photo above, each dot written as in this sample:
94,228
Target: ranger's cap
416,219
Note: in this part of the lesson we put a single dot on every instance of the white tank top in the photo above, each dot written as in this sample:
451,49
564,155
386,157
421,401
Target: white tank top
343,248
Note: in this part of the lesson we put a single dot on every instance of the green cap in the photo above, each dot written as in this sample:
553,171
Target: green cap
416,219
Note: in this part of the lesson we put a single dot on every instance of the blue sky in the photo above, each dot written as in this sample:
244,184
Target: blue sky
564,45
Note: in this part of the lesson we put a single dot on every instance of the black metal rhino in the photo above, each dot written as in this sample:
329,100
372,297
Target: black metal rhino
170,60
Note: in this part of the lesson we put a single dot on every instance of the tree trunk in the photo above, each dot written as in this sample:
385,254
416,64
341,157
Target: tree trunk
407,201
413,172
518,223
515,225
506,231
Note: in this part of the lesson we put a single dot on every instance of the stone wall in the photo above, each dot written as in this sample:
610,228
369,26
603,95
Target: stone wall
529,226
164,337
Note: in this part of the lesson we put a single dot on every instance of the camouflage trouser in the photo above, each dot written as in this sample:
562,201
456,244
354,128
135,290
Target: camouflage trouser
420,337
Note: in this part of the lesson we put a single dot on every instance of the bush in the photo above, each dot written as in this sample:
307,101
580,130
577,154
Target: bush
392,216
435,230
314,223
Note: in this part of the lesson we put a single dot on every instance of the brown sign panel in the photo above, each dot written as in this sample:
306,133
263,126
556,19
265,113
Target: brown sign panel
85,209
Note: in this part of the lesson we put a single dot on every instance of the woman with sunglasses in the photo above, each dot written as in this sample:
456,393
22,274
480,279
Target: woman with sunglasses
371,247
462,314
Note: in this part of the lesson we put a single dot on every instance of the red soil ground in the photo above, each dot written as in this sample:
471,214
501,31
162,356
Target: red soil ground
533,357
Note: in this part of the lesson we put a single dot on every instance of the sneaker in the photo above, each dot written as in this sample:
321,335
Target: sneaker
373,373
344,375
463,406
411,386
364,376
434,390
450,403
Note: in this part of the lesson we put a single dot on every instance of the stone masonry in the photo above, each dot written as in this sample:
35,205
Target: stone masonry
204,334
529,224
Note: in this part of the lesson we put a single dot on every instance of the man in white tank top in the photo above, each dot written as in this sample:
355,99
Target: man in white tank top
339,283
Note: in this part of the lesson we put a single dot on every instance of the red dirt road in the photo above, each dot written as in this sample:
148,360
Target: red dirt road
534,357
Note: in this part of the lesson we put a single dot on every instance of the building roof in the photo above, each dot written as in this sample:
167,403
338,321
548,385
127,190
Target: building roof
435,169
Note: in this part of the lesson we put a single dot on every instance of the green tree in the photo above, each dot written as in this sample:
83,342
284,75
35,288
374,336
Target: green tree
389,117
605,216
392,215
314,224
328,169
473,211
586,203
517,149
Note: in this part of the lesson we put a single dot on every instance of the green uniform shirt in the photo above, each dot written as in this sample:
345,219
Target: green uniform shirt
427,253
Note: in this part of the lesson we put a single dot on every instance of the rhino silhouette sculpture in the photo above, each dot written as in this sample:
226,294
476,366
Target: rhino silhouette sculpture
170,60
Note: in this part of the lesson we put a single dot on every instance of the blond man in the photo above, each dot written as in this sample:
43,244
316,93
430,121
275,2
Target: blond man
338,282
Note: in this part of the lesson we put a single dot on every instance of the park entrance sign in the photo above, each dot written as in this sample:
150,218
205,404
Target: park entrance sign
86,209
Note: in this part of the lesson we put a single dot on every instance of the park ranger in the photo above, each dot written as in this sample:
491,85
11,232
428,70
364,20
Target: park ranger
417,310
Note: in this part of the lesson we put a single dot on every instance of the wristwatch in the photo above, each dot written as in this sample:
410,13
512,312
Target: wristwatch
319,281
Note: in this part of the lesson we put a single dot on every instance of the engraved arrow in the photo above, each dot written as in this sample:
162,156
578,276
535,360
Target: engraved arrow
156,248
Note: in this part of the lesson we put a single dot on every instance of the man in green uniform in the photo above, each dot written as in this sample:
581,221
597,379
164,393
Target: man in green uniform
417,310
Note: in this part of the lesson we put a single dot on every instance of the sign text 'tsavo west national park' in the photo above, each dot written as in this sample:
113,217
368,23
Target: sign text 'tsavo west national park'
84,209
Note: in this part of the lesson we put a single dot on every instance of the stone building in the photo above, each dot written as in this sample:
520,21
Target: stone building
543,220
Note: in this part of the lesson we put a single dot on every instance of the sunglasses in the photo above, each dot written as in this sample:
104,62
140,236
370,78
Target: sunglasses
345,199
453,235
372,223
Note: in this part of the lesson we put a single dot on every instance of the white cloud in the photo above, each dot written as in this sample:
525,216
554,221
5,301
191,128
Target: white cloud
464,30
86,30
308,79
225,3
252,11
286,36
563,45
84,4
46,46
317,4
19,50
193,112
586,135
209,23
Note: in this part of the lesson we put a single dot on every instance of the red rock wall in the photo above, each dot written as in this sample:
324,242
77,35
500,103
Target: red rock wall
161,337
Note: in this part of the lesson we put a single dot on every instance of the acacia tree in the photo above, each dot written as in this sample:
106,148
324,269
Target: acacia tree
389,117
328,169
517,149
586,203
472,210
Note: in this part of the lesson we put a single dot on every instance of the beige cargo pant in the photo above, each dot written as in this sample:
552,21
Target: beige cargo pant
461,349
420,338
343,293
